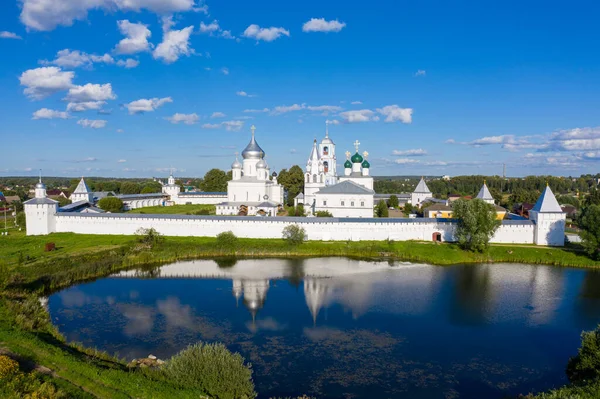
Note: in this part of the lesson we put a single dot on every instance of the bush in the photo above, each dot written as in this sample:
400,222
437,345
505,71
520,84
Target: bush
227,241
20,220
203,212
585,367
111,204
149,236
8,367
294,234
323,214
214,370
297,211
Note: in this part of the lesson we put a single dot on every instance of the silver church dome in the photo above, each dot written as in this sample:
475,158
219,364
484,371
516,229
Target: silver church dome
236,164
253,150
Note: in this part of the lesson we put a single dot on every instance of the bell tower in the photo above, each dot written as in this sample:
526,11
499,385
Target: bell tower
328,158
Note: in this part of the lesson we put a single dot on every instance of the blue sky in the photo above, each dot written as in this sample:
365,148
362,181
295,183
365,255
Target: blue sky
133,87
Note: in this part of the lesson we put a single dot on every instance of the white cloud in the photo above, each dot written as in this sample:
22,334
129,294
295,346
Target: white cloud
136,39
92,123
210,28
9,35
410,153
326,109
356,102
188,119
420,72
320,25
256,110
121,161
120,130
363,115
128,63
488,140
266,34
91,92
393,113
45,15
225,71
282,109
176,43
232,126
244,94
42,82
74,59
85,106
450,141
332,122
147,105
406,161
217,115
46,113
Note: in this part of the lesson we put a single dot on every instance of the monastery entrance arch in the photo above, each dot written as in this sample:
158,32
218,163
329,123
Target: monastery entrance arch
437,237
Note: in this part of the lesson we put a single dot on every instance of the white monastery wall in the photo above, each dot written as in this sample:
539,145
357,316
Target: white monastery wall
327,229
198,199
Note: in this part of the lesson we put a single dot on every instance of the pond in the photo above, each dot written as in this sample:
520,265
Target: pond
341,328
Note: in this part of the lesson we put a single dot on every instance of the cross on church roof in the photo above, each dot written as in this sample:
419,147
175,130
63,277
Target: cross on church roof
253,128
348,154
356,144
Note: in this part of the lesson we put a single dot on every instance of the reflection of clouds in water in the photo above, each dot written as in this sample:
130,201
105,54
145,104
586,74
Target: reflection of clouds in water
176,314
74,298
140,319
268,324
134,294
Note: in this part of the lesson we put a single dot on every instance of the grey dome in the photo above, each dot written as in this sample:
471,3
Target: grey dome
327,140
253,150
261,164
236,164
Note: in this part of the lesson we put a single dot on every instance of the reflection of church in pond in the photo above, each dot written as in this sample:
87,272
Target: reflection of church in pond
476,293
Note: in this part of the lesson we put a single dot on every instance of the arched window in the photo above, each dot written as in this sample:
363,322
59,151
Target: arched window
326,165
314,178
325,150
307,178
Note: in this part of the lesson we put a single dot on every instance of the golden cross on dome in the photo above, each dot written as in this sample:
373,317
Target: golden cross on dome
365,154
348,154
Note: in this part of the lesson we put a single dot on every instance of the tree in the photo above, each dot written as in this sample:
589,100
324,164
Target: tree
18,206
585,367
215,180
477,223
593,198
381,210
130,188
151,187
589,222
408,208
62,201
296,211
393,202
294,234
111,204
292,181
323,214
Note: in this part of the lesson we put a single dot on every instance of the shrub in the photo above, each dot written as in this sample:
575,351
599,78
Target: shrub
8,367
20,220
203,212
214,370
111,204
323,214
297,211
294,234
227,241
149,236
585,367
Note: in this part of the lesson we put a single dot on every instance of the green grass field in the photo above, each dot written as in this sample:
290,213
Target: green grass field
176,210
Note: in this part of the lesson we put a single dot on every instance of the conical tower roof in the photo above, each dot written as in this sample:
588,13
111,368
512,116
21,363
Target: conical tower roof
422,187
82,187
547,202
314,154
484,193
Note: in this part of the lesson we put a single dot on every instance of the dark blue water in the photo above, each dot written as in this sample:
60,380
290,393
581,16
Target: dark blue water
338,328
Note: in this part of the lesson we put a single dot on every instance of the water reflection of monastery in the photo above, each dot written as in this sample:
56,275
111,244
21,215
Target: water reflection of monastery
467,295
